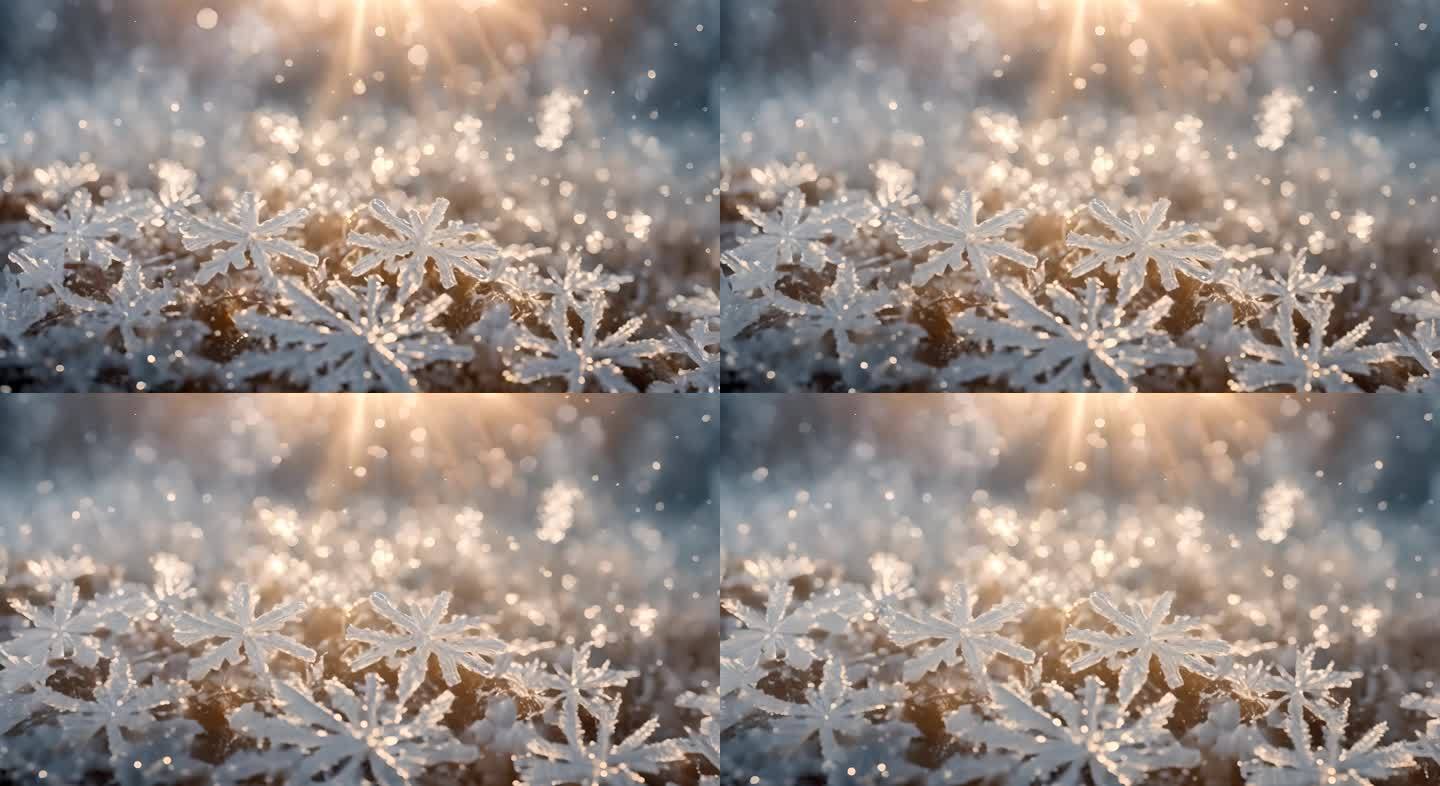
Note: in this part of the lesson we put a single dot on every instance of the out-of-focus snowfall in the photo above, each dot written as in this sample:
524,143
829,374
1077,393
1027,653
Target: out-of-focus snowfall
361,195
381,589
1198,590
1191,195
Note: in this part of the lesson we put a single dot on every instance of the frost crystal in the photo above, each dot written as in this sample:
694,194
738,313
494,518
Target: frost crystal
590,360
1084,732
963,636
1312,366
242,631
250,241
119,706
584,684
309,740
831,709
419,239
1082,345
358,345
67,631
845,307
424,634
1332,763
1308,688
978,244
83,233
1145,634
785,237
599,763
774,635
1142,240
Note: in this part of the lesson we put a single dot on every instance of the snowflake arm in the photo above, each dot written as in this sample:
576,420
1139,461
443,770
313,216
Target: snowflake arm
1426,743
242,630
248,240
423,634
962,636
978,244
1141,241
1145,635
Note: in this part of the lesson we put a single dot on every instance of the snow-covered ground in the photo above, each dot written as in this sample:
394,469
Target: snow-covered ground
1078,195
426,590
1216,590
446,195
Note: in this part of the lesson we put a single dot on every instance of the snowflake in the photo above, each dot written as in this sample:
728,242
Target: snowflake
20,310
37,275
571,283
84,233
1427,743
1145,635
744,277
694,345
704,741
424,634
1085,731
1297,289
21,682
845,307
600,763
358,345
310,740
242,630
250,241
788,236
591,360
978,244
119,706
1308,687
1309,367
775,635
963,636
1422,347
831,708
67,631
419,239
1142,240
132,307
1081,345
583,683
1332,763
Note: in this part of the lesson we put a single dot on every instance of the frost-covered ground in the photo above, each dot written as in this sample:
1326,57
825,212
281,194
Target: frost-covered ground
1073,195
392,590
1198,590
456,195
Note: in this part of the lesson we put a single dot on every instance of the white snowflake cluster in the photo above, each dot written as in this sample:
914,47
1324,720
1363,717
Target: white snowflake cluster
867,291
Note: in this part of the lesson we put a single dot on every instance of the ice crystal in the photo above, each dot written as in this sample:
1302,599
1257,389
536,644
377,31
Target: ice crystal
247,240
1314,366
1360,764
967,241
364,342
362,738
588,361
416,240
66,631
1308,688
1426,745
424,633
244,635
584,684
789,236
119,706
831,709
845,307
603,762
1079,733
82,233
774,635
1145,635
1143,239
963,636
1075,345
